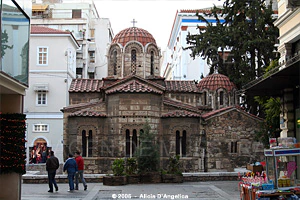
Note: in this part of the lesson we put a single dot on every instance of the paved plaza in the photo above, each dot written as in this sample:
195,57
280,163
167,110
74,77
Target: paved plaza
212,190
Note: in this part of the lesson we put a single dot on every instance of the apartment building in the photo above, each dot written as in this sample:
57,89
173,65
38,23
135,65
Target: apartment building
93,33
52,68
177,64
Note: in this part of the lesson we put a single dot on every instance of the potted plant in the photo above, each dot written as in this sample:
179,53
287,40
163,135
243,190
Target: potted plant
147,155
131,171
174,172
118,178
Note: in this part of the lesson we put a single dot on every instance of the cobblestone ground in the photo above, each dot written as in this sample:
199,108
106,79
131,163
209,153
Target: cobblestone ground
215,190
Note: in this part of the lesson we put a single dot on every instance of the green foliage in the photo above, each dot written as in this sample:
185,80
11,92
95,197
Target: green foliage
118,167
273,67
174,166
147,153
272,108
241,46
131,166
4,40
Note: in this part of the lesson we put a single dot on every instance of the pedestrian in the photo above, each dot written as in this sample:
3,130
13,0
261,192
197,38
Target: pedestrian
71,167
80,164
52,165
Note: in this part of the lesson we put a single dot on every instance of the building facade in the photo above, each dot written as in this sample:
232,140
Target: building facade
283,81
52,68
105,117
177,63
91,32
15,27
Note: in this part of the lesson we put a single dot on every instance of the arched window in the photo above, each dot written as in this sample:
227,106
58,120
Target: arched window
87,143
127,143
234,101
233,147
221,98
177,143
133,60
83,134
205,98
141,132
115,62
181,143
90,143
134,141
152,63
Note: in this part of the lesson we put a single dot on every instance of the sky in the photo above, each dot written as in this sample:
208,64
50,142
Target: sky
156,17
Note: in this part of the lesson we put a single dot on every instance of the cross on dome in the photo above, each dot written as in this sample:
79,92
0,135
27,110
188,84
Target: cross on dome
133,22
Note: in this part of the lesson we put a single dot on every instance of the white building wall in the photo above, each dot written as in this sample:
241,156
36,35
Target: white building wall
57,76
103,38
183,66
61,18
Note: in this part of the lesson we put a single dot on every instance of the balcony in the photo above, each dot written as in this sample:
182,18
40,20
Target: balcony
286,75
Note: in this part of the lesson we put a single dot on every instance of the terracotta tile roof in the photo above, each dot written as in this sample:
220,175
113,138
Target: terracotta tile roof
181,86
133,33
180,113
226,109
133,86
86,85
82,105
204,10
215,81
127,80
87,113
180,105
46,30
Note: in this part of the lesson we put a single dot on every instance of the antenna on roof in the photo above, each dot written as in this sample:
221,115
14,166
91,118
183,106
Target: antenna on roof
133,22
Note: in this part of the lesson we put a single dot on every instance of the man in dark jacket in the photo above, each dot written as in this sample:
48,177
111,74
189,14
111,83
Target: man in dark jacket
52,165
71,167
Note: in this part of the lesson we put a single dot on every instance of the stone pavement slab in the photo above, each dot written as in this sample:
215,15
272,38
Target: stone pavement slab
214,190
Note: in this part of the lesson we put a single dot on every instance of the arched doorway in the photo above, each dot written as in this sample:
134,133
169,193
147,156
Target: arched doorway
39,152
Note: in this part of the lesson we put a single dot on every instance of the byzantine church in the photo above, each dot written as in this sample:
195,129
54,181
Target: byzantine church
201,121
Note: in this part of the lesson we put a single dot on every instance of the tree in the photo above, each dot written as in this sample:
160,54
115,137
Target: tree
241,45
271,108
148,152
4,40
270,129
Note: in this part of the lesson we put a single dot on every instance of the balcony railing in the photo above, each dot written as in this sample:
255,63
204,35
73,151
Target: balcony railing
289,61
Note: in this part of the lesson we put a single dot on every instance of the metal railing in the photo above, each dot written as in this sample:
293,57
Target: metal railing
289,61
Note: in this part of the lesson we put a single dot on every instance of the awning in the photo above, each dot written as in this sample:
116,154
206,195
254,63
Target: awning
39,7
274,84
41,87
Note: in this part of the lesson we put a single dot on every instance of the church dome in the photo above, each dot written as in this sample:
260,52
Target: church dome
216,81
134,33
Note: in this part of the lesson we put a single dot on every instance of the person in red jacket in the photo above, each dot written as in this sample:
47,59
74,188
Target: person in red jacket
80,164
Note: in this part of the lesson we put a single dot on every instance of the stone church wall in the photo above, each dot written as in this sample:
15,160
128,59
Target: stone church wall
230,141
193,160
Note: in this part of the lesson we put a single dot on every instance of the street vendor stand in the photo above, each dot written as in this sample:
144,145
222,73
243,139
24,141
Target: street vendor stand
282,180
